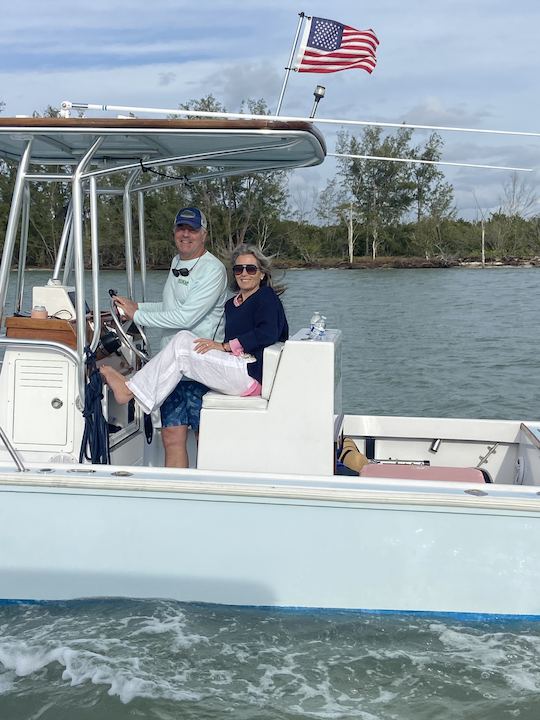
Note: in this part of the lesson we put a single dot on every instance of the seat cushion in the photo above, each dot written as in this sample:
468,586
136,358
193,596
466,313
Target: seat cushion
234,402
272,355
391,471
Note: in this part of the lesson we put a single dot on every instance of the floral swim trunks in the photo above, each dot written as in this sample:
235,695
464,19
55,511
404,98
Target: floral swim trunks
183,406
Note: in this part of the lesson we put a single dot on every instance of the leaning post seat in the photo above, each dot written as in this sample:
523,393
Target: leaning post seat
292,426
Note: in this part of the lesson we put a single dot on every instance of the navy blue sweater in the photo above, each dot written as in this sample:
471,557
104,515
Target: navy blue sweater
257,323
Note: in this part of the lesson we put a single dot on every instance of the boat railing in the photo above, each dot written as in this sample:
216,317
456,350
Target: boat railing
11,450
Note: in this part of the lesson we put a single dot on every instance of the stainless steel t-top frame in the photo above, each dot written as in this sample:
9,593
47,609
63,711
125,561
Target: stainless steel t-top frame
91,149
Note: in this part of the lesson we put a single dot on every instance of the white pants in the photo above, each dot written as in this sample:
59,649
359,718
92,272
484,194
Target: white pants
218,370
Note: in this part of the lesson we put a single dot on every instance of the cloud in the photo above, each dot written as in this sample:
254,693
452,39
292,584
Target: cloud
434,111
249,80
454,62
166,78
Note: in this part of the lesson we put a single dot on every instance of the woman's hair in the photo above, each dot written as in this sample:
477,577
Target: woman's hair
263,261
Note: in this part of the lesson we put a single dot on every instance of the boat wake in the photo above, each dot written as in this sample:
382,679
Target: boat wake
164,658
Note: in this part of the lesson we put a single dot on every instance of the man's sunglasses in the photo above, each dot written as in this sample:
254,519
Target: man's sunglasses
184,272
239,269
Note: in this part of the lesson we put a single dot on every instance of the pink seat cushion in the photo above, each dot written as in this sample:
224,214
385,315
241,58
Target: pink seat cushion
422,472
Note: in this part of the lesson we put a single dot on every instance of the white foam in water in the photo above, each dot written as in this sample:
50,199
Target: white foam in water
385,696
515,658
129,688
125,682
82,666
239,653
486,647
174,624
24,660
299,684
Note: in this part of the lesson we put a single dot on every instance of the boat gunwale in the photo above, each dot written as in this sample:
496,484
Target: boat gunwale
417,495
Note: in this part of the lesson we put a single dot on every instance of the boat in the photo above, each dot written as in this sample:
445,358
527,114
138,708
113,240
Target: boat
445,518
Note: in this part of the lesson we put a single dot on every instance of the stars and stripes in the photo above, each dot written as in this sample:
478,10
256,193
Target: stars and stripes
328,46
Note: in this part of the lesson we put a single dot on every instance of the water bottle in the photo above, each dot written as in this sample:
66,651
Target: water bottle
320,328
312,324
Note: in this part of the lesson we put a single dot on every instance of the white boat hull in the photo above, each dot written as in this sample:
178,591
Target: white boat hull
380,547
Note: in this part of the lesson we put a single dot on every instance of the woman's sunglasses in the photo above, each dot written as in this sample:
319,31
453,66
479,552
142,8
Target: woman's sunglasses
239,269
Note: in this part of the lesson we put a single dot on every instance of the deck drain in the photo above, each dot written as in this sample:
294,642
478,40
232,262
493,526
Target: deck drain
122,473
45,470
474,491
77,470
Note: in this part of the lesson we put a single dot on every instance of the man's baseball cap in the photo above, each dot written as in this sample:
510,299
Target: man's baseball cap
191,216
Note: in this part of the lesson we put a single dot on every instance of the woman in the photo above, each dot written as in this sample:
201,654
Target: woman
254,319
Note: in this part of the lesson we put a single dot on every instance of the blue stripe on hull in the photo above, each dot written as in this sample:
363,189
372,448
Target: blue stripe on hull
467,616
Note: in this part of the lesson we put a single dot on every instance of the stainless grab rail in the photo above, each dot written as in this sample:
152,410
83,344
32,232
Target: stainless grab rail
11,450
50,345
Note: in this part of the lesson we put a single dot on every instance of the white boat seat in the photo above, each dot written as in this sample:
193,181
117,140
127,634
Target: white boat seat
292,427
272,355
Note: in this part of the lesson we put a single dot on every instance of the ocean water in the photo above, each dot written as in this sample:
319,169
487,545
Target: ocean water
165,660
457,342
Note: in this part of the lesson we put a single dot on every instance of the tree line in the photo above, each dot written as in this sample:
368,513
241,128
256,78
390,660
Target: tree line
370,208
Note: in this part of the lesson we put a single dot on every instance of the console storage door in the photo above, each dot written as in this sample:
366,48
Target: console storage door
41,404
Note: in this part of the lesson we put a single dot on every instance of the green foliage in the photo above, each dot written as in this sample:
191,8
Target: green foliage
383,193
433,197
239,209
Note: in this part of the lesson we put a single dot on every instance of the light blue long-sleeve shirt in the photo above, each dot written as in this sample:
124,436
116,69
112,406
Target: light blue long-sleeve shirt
192,303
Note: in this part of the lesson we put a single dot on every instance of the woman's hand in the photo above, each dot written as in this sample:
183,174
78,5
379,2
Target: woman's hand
129,307
203,345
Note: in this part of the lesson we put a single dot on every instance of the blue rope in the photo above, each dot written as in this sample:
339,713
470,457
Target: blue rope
95,441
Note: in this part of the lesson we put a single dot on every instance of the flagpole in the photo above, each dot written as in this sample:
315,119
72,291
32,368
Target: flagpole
289,68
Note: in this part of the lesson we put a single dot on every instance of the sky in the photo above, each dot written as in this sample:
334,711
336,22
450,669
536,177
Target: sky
465,63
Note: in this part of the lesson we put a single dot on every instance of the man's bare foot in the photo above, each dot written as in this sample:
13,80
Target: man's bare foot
122,394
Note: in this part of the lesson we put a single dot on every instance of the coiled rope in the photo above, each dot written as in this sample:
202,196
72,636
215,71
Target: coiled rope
95,441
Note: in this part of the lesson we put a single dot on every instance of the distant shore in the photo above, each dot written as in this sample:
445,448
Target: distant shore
379,263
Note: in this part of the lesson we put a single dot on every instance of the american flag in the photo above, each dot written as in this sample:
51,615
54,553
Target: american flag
328,46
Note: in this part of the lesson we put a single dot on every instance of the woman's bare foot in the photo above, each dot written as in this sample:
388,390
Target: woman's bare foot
122,394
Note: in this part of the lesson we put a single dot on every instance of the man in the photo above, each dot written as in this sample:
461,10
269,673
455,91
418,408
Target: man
193,299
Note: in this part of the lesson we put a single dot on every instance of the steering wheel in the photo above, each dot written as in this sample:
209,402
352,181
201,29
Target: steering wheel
122,325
